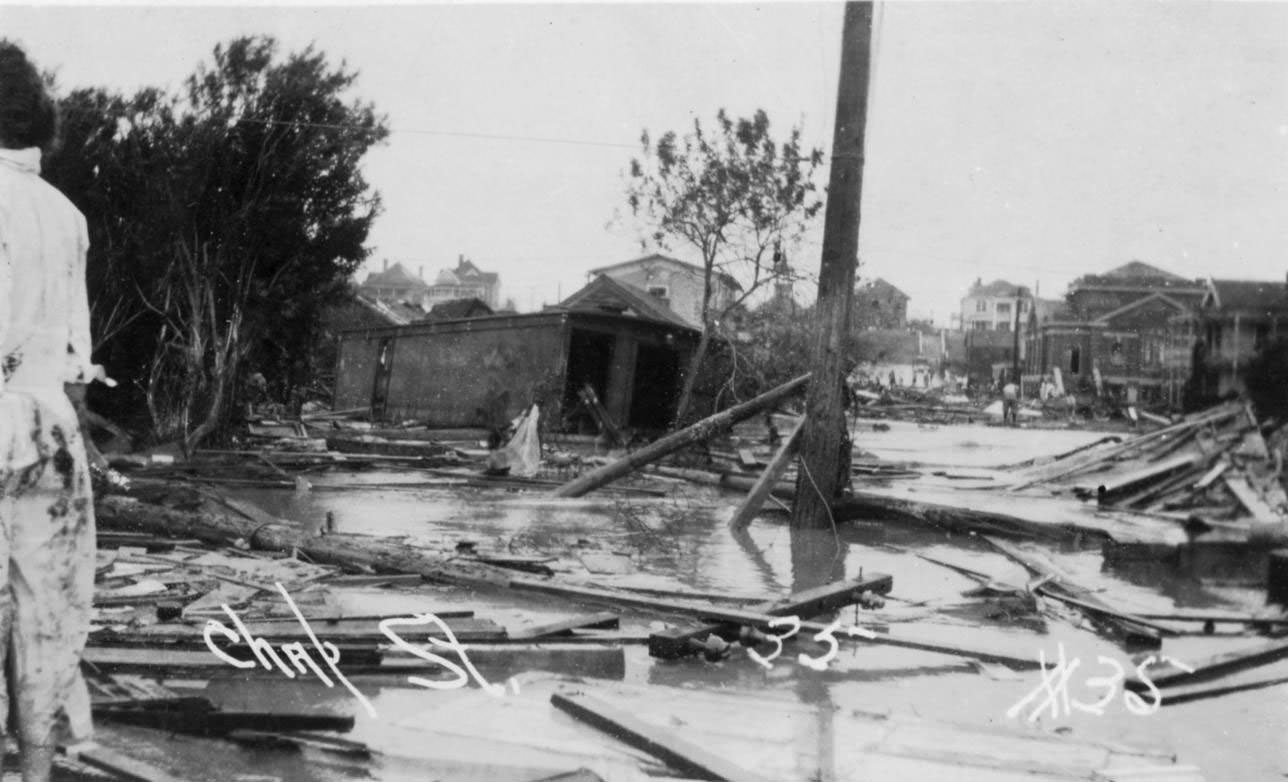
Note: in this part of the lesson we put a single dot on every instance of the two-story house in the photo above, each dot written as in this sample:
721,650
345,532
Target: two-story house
678,284
395,285
879,305
1113,333
992,306
1232,322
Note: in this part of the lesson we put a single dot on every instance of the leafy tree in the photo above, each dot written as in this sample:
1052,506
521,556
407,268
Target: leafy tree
732,194
222,220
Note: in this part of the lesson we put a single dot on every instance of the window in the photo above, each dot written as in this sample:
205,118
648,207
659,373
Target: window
1003,308
980,325
658,291
1003,325
1262,335
981,305
1116,354
1075,360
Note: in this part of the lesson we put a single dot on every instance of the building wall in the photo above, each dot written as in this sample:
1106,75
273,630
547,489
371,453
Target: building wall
880,309
681,288
992,313
462,376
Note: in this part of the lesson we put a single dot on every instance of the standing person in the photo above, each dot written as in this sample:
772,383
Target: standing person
46,513
1010,403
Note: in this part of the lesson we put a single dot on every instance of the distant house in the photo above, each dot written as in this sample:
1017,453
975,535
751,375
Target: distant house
394,284
1234,320
1116,327
607,294
991,306
397,285
458,308
466,281
879,305
677,284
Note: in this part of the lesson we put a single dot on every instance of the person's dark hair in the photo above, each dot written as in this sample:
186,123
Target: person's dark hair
28,113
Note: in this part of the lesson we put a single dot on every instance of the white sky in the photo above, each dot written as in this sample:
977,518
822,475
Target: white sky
1029,141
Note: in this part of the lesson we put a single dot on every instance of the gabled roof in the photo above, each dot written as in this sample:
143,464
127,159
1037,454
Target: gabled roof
606,293
466,270
658,258
383,311
395,276
882,287
1134,304
996,288
1247,295
459,308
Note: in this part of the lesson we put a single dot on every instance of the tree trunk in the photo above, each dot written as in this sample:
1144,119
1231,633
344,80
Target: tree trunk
825,445
691,378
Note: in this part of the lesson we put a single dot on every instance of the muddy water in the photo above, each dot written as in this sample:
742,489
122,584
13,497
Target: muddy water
681,541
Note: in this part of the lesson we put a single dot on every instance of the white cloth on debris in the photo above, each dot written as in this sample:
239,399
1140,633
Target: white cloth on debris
524,448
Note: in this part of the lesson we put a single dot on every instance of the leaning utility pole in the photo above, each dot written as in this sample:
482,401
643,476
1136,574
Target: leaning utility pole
825,441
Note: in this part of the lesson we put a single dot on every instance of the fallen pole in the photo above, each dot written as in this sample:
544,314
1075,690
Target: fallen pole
755,500
701,431
115,512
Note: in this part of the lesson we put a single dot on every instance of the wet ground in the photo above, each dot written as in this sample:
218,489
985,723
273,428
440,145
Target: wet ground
810,726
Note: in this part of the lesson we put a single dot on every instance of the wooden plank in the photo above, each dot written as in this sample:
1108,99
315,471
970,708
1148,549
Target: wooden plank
749,507
763,621
675,642
471,628
681,754
603,619
388,579
220,722
1058,585
1214,667
1249,499
113,762
1211,475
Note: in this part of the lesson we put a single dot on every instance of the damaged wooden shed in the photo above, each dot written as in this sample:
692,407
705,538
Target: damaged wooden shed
480,372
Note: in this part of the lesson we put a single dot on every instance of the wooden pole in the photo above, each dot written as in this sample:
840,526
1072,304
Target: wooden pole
750,506
825,438
699,432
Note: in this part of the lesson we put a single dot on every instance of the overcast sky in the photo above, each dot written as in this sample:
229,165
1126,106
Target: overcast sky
1027,141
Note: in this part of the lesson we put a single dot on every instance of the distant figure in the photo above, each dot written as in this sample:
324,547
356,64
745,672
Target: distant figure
1010,403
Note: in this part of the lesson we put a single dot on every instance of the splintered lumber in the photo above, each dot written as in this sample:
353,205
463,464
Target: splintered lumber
1058,586
674,642
701,431
115,512
1114,485
765,622
749,507
120,766
217,722
681,754
1215,667
1249,499
601,620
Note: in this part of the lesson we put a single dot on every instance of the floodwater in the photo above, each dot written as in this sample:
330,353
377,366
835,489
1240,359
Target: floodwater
786,720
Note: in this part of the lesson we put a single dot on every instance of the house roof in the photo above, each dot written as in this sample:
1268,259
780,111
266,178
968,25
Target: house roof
466,270
996,288
459,308
882,287
395,276
606,293
1248,295
658,258
1141,270
1135,303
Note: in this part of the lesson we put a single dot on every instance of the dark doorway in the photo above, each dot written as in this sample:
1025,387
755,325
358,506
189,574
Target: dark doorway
590,359
657,379
380,388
